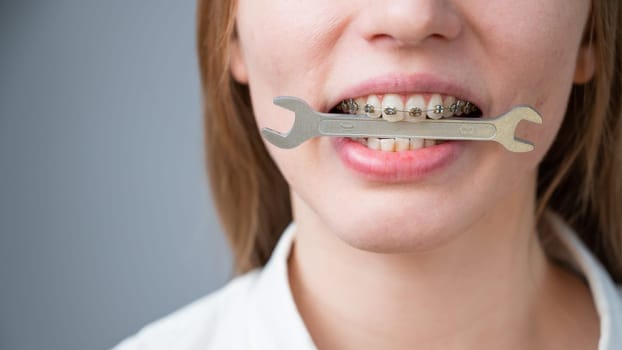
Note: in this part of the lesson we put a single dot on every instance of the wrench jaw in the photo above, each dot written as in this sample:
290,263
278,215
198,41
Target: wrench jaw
305,125
280,140
528,113
294,104
506,127
518,145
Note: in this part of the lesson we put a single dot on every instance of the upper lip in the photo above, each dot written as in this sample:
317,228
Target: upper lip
399,83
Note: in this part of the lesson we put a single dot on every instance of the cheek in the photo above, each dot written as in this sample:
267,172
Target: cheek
287,47
535,45
287,42
532,55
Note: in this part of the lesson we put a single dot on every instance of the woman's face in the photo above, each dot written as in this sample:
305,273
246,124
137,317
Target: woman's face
495,54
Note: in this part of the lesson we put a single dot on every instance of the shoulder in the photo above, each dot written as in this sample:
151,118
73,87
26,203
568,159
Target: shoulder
208,322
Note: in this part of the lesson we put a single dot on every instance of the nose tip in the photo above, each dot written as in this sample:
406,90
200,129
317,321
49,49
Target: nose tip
411,22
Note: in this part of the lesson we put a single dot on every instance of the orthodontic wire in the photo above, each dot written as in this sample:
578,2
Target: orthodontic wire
352,107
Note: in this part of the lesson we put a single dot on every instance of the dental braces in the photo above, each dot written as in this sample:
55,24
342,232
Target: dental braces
350,106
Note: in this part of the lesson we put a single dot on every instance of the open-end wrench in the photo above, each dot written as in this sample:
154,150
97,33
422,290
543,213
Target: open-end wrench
309,124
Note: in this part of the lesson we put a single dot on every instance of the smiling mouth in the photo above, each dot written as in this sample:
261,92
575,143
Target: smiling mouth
411,108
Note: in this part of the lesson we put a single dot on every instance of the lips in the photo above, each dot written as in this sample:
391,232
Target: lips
414,163
392,167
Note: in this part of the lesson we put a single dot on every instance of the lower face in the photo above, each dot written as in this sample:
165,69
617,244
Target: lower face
493,54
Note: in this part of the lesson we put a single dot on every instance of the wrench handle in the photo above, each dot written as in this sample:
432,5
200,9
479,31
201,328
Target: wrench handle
446,129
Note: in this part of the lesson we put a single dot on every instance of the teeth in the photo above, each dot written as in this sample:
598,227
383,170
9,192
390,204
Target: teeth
348,106
449,103
396,144
373,143
459,105
361,140
415,107
429,143
387,145
360,103
371,107
468,108
392,107
402,144
435,107
415,143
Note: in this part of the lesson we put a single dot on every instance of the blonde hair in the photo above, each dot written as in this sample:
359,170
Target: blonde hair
579,178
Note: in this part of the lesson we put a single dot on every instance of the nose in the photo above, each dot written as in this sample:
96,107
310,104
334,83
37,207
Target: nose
405,23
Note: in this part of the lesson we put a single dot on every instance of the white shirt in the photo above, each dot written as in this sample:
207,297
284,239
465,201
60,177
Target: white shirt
257,310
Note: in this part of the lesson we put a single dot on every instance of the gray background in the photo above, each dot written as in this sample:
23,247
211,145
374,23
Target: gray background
105,218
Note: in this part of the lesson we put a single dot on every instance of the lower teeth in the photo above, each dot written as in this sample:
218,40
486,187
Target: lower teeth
396,144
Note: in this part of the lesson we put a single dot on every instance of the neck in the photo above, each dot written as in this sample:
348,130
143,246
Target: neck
483,283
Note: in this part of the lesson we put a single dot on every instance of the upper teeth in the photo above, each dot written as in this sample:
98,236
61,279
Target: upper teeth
393,108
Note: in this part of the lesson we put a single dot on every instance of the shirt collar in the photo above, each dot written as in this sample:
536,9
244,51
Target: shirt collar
276,323
607,297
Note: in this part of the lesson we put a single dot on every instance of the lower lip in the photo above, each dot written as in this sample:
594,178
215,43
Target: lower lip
402,166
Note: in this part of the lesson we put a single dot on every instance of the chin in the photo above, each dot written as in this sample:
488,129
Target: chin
394,232
394,240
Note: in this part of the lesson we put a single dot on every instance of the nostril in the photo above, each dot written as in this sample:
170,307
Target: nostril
389,41
410,23
381,37
385,40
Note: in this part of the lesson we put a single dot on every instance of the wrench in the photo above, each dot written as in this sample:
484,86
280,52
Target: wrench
309,124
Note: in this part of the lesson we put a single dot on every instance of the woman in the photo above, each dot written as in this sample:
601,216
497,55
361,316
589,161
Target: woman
455,245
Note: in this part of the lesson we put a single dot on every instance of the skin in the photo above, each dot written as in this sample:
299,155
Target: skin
436,261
